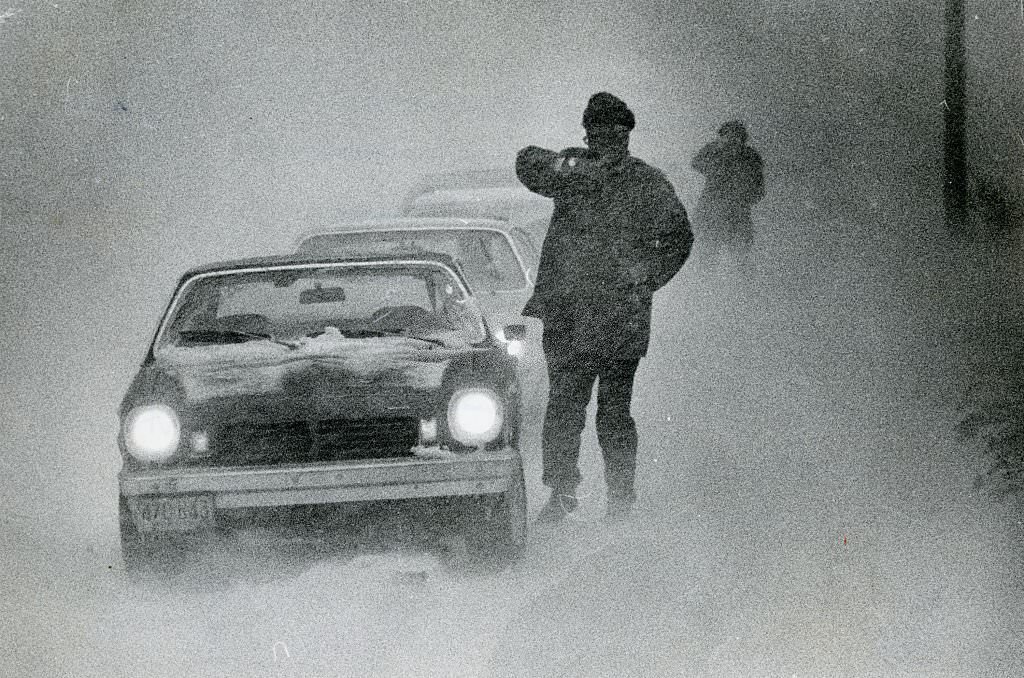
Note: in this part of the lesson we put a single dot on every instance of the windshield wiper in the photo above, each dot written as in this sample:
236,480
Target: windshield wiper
367,332
232,336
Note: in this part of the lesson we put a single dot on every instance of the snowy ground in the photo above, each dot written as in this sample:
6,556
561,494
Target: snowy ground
805,511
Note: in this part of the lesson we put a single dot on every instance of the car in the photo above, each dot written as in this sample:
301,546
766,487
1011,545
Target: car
493,193
514,204
498,259
299,380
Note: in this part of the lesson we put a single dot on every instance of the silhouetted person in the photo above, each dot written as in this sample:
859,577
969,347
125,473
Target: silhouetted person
734,182
618,233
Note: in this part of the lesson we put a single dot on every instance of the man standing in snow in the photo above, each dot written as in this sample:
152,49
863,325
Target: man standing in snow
618,233
734,182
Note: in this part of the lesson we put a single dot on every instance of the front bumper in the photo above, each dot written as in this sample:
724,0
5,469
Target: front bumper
335,482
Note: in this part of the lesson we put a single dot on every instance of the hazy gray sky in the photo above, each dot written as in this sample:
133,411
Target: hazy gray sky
197,119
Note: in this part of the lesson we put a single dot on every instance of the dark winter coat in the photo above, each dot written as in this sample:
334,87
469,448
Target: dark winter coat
734,182
732,172
616,236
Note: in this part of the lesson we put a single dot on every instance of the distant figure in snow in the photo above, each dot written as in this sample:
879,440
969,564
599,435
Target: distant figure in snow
734,182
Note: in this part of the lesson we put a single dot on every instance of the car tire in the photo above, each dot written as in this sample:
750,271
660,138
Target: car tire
498,534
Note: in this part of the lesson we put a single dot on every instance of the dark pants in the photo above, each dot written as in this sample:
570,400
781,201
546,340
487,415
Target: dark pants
571,384
723,226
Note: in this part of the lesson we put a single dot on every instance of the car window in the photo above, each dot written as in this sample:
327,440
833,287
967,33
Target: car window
485,256
363,294
527,249
301,302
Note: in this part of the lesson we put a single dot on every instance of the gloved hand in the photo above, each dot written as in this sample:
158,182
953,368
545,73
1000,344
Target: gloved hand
549,173
580,162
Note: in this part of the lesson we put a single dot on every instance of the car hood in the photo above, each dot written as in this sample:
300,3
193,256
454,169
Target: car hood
327,377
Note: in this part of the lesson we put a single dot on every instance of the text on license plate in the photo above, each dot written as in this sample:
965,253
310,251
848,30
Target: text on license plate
172,514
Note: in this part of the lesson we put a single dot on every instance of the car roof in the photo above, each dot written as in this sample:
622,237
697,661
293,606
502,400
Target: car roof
500,202
408,224
317,258
494,192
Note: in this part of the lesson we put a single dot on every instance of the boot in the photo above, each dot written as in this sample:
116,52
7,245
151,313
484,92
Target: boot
621,498
558,506
619,508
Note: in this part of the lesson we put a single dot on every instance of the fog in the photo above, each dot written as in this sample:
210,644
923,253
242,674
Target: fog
805,507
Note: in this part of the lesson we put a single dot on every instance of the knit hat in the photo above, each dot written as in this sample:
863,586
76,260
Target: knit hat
733,127
607,109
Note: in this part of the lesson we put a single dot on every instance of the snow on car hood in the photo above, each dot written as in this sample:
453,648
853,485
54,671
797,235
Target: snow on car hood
264,366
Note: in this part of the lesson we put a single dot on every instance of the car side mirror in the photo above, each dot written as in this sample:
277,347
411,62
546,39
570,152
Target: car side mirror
515,332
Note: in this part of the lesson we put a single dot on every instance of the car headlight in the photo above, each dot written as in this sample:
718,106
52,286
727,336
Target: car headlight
475,416
152,432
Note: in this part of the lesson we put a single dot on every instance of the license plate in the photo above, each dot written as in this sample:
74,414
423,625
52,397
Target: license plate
172,514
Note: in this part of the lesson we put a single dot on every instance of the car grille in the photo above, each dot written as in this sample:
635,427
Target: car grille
257,443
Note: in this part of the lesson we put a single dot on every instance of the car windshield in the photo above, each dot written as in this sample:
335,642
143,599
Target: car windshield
486,256
292,304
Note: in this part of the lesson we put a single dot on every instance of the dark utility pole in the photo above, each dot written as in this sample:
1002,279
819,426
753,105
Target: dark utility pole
956,180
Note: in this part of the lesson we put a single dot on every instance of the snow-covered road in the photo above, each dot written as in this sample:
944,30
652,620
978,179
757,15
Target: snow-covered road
805,511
